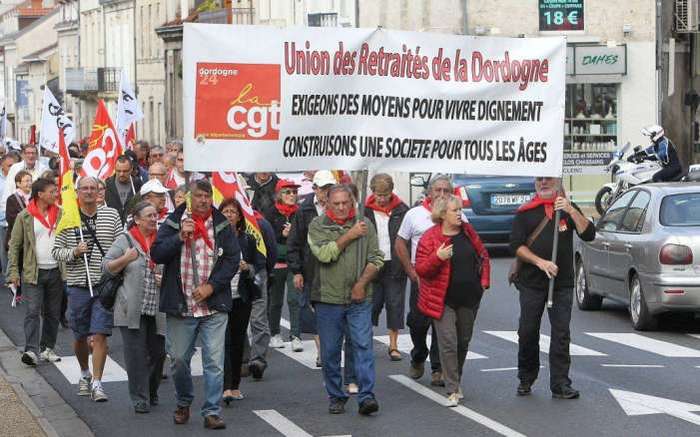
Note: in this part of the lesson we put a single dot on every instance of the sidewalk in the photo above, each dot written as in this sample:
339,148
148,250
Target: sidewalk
16,419
29,406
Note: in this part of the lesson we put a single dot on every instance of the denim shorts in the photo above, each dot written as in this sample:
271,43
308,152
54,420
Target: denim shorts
87,315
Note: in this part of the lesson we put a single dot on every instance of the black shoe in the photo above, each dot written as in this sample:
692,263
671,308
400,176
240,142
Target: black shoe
565,392
524,388
436,379
416,370
256,369
154,400
336,406
368,406
141,408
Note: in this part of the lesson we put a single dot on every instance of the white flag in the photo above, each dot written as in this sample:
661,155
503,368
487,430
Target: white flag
52,119
128,108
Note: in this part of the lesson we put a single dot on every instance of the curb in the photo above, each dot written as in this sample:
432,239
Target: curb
54,415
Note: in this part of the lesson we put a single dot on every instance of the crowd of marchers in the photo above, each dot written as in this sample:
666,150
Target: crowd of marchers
193,272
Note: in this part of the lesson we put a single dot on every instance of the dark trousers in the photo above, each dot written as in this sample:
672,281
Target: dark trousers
390,293
419,325
144,352
532,304
235,340
43,298
280,279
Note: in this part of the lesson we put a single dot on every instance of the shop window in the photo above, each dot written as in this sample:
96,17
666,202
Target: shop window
591,117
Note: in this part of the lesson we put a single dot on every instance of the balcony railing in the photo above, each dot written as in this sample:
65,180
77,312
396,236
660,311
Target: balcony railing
81,80
224,16
92,80
108,79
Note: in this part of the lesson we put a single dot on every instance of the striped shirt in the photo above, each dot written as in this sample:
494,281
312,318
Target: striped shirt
107,226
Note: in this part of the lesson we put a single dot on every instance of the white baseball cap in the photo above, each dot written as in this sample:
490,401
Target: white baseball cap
323,178
153,186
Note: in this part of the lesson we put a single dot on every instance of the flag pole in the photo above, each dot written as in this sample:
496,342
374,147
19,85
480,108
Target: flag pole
87,267
362,189
555,247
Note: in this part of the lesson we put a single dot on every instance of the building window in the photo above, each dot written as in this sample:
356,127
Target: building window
591,117
323,20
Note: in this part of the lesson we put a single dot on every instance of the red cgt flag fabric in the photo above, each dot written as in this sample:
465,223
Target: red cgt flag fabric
103,146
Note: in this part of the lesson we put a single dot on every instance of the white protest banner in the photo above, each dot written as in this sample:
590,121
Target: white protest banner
52,119
312,98
128,108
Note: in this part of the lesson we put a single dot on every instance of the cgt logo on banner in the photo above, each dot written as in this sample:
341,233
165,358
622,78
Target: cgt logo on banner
249,94
375,99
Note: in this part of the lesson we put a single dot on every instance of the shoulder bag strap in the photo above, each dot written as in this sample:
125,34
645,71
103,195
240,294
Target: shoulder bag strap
94,237
538,230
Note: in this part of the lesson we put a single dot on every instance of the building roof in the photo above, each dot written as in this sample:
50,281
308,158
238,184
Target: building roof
33,12
41,54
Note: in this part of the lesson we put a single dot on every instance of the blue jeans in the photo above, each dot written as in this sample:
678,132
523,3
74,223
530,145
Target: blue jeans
182,335
332,321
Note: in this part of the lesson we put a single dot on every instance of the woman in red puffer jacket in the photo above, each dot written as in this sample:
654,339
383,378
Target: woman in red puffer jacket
454,268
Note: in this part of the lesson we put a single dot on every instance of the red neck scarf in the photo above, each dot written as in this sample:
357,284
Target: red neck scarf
52,211
200,228
162,213
341,222
536,202
286,210
394,201
428,204
144,242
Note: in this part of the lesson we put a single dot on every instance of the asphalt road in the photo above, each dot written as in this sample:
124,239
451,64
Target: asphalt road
617,374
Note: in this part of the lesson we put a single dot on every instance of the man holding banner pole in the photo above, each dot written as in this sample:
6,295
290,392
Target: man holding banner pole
531,239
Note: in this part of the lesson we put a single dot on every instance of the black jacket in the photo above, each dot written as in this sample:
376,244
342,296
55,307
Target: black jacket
524,224
300,260
268,235
167,250
112,196
250,254
395,269
263,195
278,220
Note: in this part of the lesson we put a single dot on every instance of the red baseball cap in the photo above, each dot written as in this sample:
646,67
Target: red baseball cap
285,183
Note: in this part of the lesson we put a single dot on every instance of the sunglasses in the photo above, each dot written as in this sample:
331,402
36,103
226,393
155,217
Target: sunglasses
288,191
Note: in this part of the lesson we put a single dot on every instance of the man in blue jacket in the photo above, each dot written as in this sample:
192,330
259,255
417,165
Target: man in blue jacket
201,256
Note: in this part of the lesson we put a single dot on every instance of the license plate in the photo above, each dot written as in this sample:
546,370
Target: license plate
509,199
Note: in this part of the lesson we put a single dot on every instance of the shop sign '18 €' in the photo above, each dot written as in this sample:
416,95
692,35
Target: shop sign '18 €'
373,99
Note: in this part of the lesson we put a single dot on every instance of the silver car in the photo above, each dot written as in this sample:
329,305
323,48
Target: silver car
646,254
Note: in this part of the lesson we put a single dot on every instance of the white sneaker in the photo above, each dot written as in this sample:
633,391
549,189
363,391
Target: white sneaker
460,395
49,355
84,386
297,346
29,358
276,342
452,400
98,394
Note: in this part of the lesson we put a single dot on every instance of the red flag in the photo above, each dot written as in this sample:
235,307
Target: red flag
32,134
103,146
226,186
130,138
64,161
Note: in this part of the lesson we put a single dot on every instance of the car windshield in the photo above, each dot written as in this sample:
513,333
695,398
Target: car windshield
680,210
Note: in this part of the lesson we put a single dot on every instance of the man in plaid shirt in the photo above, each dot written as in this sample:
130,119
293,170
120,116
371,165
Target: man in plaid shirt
201,256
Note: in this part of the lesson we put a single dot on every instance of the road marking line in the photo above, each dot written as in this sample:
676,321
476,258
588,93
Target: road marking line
694,335
503,369
651,366
658,347
307,357
70,369
460,409
285,324
574,349
285,426
405,345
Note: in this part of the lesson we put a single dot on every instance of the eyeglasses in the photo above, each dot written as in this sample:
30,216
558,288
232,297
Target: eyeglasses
88,188
288,191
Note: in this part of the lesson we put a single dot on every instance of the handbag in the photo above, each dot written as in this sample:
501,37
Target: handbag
517,263
108,285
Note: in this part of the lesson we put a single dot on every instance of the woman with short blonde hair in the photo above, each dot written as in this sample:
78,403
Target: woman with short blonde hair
454,270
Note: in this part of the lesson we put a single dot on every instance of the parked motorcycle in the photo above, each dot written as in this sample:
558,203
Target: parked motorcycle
625,175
